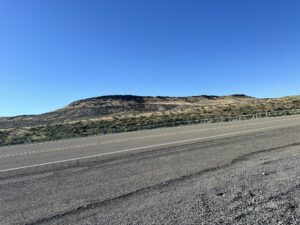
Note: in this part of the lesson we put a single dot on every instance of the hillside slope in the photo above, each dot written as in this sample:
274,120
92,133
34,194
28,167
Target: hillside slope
121,105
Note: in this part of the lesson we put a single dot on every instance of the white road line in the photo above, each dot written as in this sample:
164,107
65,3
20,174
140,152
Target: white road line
48,150
141,148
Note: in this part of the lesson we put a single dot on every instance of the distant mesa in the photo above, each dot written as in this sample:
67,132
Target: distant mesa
111,106
241,96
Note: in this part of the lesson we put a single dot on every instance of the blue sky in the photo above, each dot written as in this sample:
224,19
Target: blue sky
55,51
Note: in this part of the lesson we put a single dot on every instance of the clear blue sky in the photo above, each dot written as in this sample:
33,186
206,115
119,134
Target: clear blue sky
55,51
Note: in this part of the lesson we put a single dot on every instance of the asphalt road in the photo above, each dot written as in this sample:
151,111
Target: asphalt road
242,172
14,157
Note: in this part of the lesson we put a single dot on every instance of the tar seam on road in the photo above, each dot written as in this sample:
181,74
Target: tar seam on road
140,148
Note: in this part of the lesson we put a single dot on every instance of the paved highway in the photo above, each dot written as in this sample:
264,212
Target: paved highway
142,177
17,157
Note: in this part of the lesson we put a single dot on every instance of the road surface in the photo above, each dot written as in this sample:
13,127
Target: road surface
243,172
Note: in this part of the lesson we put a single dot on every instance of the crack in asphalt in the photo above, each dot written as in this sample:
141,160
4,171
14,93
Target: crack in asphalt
291,204
97,204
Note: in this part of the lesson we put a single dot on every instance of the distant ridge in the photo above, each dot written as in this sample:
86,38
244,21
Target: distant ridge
131,105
